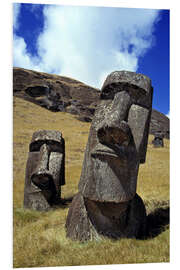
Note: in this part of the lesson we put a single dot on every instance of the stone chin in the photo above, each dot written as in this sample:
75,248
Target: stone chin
114,174
111,174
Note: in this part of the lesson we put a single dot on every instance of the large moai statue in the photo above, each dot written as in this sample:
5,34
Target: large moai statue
45,170
107,203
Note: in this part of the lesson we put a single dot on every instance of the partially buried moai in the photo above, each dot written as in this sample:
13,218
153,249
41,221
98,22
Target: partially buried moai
158,139
107,203
45,170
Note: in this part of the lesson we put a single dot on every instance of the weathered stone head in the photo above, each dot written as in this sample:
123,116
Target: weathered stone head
116,146
45,170
118,138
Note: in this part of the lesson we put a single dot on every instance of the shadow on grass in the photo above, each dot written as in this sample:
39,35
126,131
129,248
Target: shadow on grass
157,222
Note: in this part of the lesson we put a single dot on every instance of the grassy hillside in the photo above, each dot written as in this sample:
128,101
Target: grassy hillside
40,239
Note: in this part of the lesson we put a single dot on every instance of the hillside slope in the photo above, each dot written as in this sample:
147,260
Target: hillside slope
39,239
59,93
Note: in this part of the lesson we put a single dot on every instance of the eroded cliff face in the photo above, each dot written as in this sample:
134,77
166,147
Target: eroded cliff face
59,93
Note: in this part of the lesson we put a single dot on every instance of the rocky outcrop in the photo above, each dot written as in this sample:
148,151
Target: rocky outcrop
56,93
159,123
59,93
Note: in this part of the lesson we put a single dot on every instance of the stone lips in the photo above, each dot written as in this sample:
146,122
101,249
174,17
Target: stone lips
58,93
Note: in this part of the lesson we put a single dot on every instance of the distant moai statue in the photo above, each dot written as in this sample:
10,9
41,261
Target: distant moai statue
107,203
45,170
158,139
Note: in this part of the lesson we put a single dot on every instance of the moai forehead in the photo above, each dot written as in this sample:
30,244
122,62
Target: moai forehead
137,85
52,138
47,135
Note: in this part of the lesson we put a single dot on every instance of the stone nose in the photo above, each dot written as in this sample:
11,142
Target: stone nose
118,134
41,176
114,129
44,157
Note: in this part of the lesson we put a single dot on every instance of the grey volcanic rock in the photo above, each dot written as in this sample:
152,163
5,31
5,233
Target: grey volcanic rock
116,146
158,139
45,170
55,93
159,122
58,93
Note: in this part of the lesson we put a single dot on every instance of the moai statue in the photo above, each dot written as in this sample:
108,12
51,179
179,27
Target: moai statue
158,139
45,170
107,203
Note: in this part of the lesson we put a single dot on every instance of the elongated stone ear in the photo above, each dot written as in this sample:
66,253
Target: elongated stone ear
139,120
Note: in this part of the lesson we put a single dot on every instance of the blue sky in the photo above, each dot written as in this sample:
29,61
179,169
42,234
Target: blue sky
87,43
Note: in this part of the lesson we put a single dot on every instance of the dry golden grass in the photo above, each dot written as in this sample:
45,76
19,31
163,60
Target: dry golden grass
40,239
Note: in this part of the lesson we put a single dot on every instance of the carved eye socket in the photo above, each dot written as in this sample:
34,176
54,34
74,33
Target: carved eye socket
110,91
53,146
134,91
35,146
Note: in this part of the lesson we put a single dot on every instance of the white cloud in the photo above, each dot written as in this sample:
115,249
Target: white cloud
168,115
16,11
21,57
87,43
